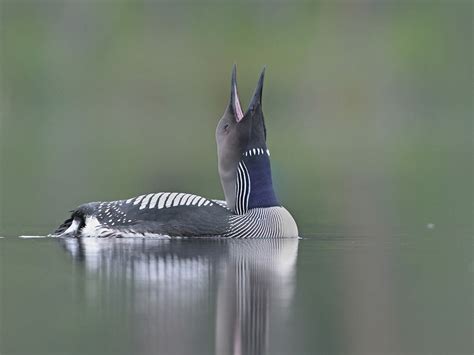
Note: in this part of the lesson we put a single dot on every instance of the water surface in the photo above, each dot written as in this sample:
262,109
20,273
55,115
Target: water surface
324,294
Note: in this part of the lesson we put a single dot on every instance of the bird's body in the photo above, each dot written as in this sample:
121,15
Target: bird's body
250,210
161,214
167,215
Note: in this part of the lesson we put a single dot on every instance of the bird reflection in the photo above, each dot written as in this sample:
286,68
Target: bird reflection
191,296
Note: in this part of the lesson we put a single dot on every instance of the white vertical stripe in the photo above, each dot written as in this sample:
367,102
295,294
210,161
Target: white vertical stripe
145,201
170,199
153,200
249,189
138,199
161,201
243,190
184,199
189,199
238,184
195,200
177,200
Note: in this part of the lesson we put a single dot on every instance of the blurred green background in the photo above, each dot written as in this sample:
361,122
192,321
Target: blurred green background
369,113
368,106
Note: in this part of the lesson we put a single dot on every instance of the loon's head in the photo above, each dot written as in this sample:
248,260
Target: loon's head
244,160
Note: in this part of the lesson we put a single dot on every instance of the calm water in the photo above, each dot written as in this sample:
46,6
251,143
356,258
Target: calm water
319,295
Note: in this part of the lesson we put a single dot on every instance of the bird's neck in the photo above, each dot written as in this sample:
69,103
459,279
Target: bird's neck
253,184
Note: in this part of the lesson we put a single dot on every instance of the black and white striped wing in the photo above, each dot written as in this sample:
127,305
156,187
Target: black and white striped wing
165,213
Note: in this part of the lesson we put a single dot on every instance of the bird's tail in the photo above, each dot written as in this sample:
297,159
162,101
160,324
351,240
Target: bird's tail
70,227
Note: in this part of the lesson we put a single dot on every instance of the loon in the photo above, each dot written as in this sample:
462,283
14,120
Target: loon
250,209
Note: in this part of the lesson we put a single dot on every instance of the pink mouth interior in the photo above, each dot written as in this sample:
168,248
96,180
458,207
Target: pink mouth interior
238,110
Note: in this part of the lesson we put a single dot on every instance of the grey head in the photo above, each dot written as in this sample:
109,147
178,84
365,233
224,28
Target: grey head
238,133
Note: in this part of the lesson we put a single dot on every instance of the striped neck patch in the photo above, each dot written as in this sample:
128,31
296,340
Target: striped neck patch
256,151
257,168
242,189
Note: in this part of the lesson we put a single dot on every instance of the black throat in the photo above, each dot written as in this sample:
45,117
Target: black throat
254,187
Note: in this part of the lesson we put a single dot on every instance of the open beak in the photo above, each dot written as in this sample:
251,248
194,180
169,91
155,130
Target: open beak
234,97
256,101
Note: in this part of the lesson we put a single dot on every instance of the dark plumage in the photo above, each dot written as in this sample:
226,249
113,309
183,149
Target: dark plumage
122,218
